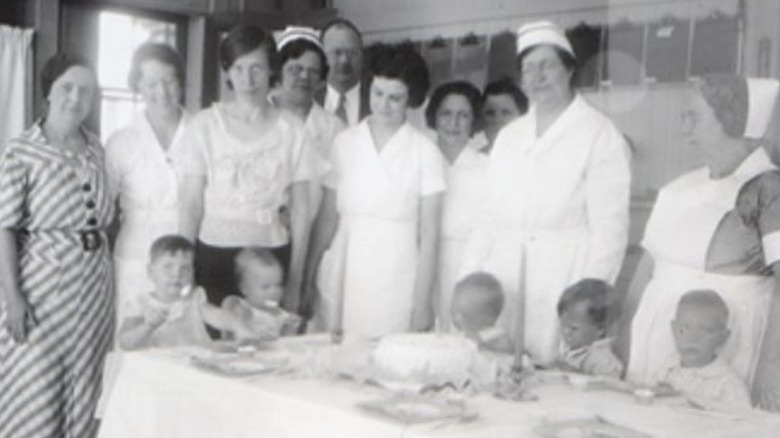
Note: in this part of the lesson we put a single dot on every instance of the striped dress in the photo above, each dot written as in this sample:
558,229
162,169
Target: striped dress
57,204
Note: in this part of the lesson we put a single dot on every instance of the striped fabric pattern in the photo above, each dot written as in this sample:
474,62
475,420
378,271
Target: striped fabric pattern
49,386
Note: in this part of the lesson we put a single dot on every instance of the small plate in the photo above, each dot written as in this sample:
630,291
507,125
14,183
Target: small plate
416,409
239,366
586,428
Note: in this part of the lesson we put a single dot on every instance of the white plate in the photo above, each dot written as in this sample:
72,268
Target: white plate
239,366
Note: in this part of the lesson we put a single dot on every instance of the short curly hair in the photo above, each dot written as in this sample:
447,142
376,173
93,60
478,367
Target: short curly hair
170,244
57,65
727,95
601,300
155,52
402,62
243,39
458,88
296,49
504,86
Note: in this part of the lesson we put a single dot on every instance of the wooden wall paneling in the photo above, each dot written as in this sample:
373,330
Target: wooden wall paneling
79,34
586,41
470,60
502,57
667,50
186,7
715,45
438,53
623,58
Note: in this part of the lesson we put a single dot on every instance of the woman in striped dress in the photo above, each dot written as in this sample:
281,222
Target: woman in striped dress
56,321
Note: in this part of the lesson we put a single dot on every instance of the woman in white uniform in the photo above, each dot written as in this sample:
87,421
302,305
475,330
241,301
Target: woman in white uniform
451,111
381,212
139,166
556,202
304,67
716,227
243,166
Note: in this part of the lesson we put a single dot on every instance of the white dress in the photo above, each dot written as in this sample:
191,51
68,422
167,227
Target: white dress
555,212
465,192
373,258
141,175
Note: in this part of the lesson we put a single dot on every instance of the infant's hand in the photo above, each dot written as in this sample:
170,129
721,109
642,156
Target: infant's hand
155,316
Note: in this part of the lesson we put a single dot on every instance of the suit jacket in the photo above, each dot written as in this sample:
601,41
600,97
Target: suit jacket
364,108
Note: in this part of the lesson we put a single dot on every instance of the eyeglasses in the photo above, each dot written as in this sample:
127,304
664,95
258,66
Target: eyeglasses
297,70
543,67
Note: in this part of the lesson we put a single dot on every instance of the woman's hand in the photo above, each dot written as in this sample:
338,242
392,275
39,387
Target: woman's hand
20,317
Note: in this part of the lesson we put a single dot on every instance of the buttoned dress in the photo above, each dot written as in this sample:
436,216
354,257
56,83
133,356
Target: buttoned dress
58,205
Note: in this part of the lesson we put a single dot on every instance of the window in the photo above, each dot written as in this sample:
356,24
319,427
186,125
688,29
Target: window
119,36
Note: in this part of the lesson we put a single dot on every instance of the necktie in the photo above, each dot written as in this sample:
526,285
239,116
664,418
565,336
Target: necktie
341,109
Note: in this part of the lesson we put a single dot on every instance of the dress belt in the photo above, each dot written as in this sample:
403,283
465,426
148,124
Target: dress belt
91,240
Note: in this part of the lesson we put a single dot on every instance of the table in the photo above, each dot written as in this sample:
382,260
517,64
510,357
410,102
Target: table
158,393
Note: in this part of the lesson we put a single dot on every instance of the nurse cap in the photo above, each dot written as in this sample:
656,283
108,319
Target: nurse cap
762,94
542,32
293,33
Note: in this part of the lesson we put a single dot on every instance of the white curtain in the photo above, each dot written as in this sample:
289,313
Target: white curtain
15,66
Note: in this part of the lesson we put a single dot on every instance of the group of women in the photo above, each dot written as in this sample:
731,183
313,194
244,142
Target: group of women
375,223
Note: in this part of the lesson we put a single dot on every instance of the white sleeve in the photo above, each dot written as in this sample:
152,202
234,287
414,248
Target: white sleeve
608,181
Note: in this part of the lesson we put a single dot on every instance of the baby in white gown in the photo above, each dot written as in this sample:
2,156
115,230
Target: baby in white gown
260,281
700,329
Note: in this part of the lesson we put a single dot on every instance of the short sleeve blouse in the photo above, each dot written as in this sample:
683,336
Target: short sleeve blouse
246,181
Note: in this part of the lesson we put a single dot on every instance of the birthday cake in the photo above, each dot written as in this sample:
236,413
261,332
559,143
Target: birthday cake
425,357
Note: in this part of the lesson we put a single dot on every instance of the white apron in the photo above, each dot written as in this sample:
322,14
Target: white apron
678,236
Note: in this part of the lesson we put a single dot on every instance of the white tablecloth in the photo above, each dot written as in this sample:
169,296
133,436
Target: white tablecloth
160,394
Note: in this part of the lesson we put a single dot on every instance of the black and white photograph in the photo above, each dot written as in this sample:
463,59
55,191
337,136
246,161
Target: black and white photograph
389,218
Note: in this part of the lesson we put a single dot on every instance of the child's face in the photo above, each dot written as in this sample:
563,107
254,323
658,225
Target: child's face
471,311
698,334
170,273
261,284
577,327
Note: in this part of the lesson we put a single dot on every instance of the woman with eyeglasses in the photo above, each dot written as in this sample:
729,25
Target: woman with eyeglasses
303,69
243,169
556,201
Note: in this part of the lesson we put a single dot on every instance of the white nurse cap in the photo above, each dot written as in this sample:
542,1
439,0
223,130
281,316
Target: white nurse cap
762,94
542,32
292,33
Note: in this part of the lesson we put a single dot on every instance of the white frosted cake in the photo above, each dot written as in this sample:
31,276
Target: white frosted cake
426,357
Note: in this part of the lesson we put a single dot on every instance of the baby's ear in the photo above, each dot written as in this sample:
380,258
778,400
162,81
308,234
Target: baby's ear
726,336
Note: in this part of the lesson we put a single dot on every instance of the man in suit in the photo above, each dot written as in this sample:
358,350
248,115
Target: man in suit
346,94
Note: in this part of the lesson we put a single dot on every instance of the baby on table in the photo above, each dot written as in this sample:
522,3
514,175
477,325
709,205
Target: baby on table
174,313
700,329
477,302
261,283
586,311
